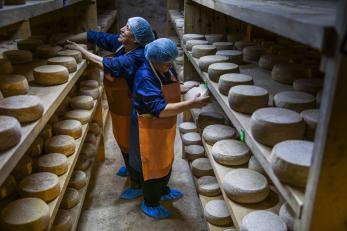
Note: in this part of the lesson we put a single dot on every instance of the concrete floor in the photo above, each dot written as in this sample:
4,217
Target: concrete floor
104,210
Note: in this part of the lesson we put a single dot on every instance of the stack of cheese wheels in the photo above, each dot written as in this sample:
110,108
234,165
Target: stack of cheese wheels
202,167
23,168
217,69
8,188
85,102
68,62
10,132
295,100
268,61
5,66
233,56
254,164
47,51
308,85
208,118
36,148
262,221
186,127
191,43
191,138
311,118
11,85
187,37
179,60
83,163
71,198
26,108
79,114
71,53
29,44
25,214
63,221
89,83
51,75
88,150
291,161
90,138
61,144
272,125
18,56
217,213
43,185
230,80
206,61
94,128
247,98
93,92
223,45
288,72
212,38
230,152
287,216
245,186
217,132
202,50
78,179
253,53
194,151
53,162
71,128
239,45
208,186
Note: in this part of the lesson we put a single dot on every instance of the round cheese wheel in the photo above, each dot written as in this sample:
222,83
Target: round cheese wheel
51,75
291,161
54,163
25,214
26,108
94,128
78,179
191,43
29,44
83,116
8,188
71,53
47,51
212,38
202,167
311,118
287,216
247,98
23,168
288,72
254,164
215,70
71,128
90,138
253,53
206,61
187,37
191,138
272,125
223,45
36,148
83,163
11,85
68,62
93,92
269,61
88,150
208,186
308,85
217,213
43,185
231,152
245,186
10,132
179,60
217,132
208,118
186,127
85,102
61,144
89,83
202,50
194,152
230,80
71,199
63,221
295,100
240,45
262,221
18,56
5,66
233,56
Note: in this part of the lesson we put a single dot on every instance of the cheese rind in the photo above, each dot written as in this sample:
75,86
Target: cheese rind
262,221
5,66
194,151
217,213
217,132
85,102
51,75
240,45
187,37
83,163
94,128
186,127
202,50
71,198
68,62
11,85
89,83
230,80
63,221
93,92
18,56
78,179
212,38
191,43
71,53
215,70
234,56
268,61
295,100
54,163
223,45
61,144
88,150
29,44
202,167
10,132
71,128
81,115
47,51
309,85
311,118
205,61
231,152
253,53
208,186
288,72
209,118
191,138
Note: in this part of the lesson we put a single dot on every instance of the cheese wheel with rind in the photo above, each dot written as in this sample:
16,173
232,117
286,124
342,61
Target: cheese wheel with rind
29,44
53,162
191,138
47,51
61,144
10,132
240,45
288,72
191,43
81,115
18,56
208,118
262,221
94,128
194,151
253,53
49,75
187,37
217,213
63,221
230,152
85,102
295,100
223,45
311,118
88,150
308,85
268,61
68,62
90,138
234,56
287,216
217,132
205,61
93,92
230,80
5,66
71,198
83,163
71,53
186,127
208,186
202,167
202,50
212,38
11,85
78,179
71,128
89,83
215,70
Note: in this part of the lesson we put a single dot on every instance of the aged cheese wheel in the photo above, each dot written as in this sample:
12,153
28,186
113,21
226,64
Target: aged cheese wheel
179,60
262,221
47,51
11,85
18,56
295,100
217,213
247,98
253,53
25,214
291,161
71,198
8,187
202,167
245,186
233,56
202,50
93,92
287,216
29,44
191,138
217,132
61,144
208,186
71,53
268,61
208,118
26,108
71,128
194,151
89,83
68,62
308,85
254,164
36,148
223,45
90,138
215,70
191,43
54,163
231,152
187,37
230,80
78,179
81,115
288,72
212,38
10,132
206,61
23,168
311,118
94,128
83,163
51,75
186,127
242,44
43,185
5,66
85,102
63,221
88,150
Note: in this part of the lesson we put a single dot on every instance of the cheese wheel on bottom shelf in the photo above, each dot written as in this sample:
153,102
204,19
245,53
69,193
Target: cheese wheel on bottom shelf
68,62
51,75
5,67
10,132
186,127
187,37
207,60
93,92
18,56
311,118
85,102
63,221
230,152
208,118
223,45
217,213
23,168
262,221
191,43
78,179
61,144
287,216
202,167
295,100
217,132
71,128
202,50
208,186
81,115
11,85
71,53
8,188
71,198
54,163
228,81
47,51
215,70
191,138
194,151
234,56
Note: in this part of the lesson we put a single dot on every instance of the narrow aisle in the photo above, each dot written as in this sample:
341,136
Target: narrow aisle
104,210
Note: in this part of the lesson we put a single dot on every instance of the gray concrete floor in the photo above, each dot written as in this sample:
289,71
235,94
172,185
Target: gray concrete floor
104,210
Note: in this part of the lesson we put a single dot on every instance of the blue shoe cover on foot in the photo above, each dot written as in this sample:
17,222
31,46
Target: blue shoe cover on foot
158,212
131,193
174,194
123,172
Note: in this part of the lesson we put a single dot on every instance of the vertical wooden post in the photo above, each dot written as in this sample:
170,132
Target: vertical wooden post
98,118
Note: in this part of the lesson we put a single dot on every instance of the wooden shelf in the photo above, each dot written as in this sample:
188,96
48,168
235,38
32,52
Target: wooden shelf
179,31
106,18
307,22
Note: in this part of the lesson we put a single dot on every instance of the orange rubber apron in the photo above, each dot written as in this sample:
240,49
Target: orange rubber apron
157,136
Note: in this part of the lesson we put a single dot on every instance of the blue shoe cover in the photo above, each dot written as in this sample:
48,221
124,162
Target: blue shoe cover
158,212
174,194
123,172
131,193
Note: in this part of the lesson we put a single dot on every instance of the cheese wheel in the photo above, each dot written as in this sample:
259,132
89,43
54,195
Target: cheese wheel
8,188
202,50
63,221
208,118
61,144
308,85
71,199
186,127
194,151
268,61
233,56
223,45
18,56
26,108
47,51
208,186
88,150
240,45
288,72
93,92
83,163
85,102
83,116
262,221
230,152
291,161
29,44
90,138
23,168
187,37
253,53
273,125
191,138
247,98
54,163
94,128
212,38
71,128
68,62
5,66
311,118
11,85
78,179
295,100
254,164
202,167
51,75
287,216
25,214
10,132
89,83
217,213
43,185
191,43
179,60
230,80
245,186
36,148
217,69
206,61
71,53
217,132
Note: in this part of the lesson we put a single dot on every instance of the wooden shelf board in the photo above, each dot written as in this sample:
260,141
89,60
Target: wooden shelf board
179,31
106,18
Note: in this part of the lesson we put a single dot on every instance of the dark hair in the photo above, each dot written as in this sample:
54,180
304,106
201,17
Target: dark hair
155,34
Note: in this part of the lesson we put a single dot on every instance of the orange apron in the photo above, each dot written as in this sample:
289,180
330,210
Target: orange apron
157,137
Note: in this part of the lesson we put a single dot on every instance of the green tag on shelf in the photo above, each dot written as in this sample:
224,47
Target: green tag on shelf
205,84
242,135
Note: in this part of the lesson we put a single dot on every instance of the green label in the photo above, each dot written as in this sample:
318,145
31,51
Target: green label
205,84
242,135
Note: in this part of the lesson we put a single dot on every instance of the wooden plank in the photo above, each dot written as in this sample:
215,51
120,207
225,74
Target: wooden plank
106,18
179,31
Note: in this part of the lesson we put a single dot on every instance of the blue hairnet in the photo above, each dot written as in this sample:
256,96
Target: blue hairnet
162,50
141,29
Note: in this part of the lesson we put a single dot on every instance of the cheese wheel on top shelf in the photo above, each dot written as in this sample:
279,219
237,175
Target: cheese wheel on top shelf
23,168
223,45
54,163
217,213
191,43
61,144
234,56
217,132
253,53
71,198
308,85
78,179
295,100
10,132
29,44
47,51
83,116
18,56
240,45
230,152
191,138
8,188
268,61
287,216
85,102
230,80
93,92
202,50
288,72
5,66
194,151
262,221
71,53
63,221
311,118
202,167
187,37
71,128
208,186
89,83
36,148
205,61
209,118
215,70
68,62
212,38
51,75
186,127
11,85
